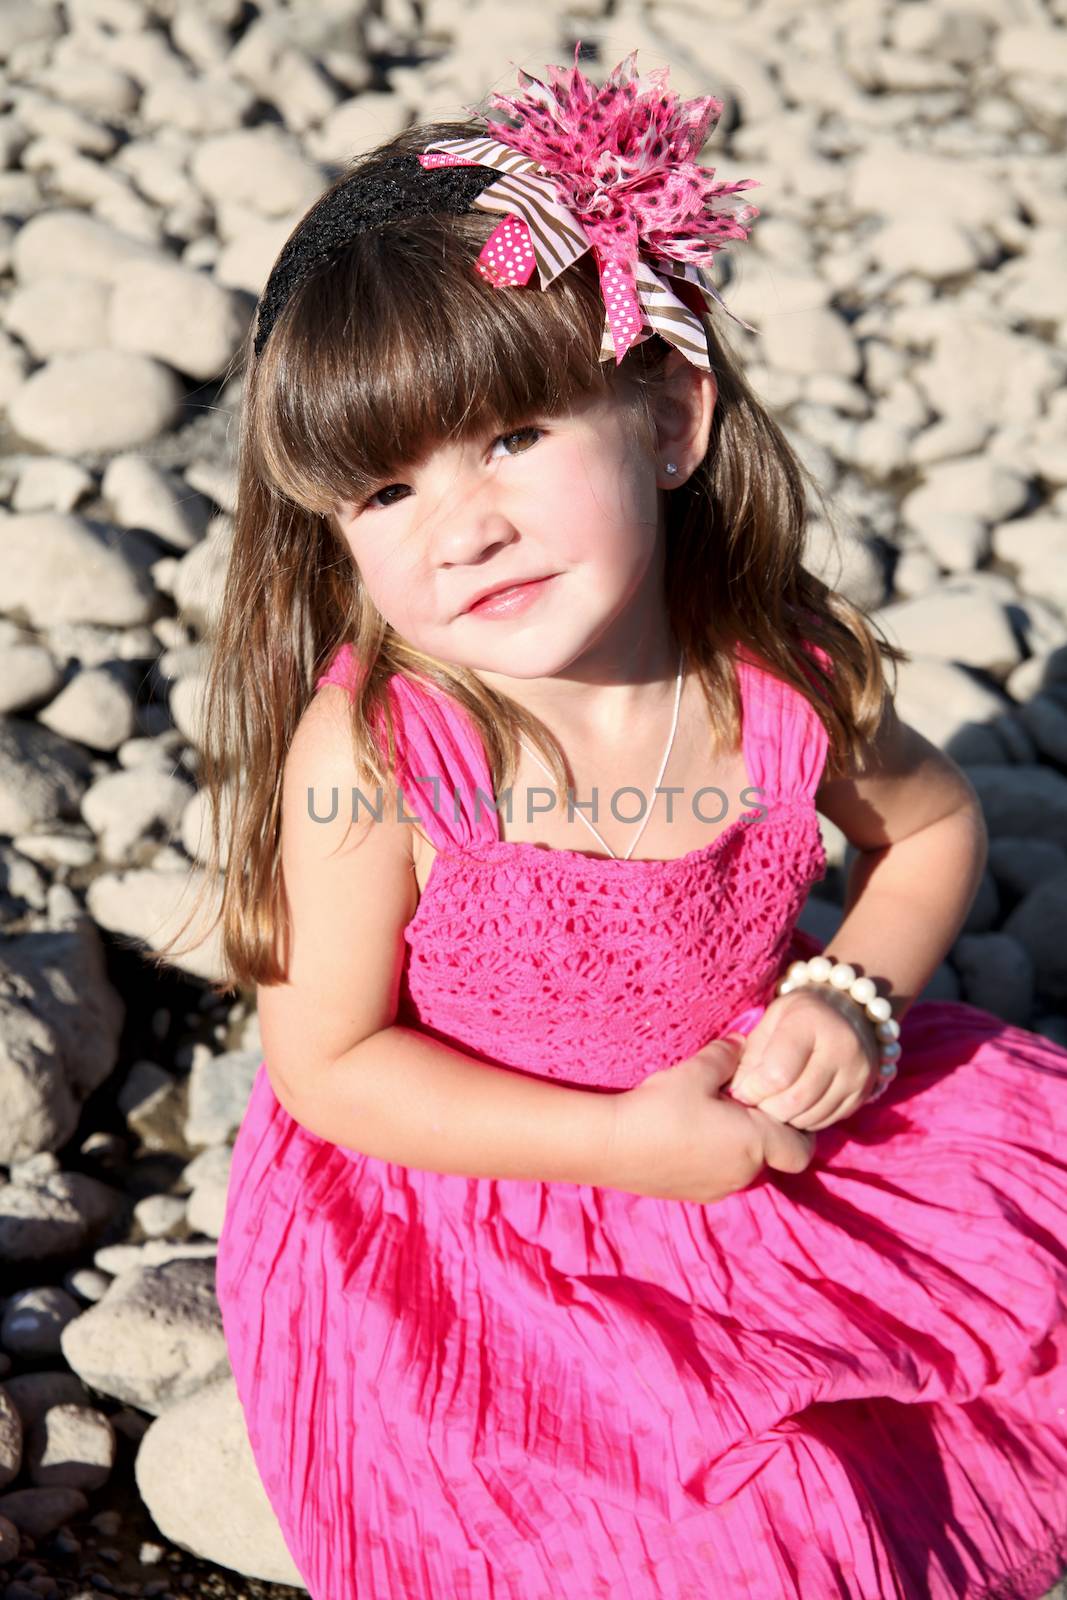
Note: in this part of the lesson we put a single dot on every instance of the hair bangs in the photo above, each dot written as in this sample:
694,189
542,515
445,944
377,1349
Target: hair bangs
436,354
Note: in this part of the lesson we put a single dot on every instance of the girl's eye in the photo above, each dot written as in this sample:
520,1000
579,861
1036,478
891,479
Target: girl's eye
520,433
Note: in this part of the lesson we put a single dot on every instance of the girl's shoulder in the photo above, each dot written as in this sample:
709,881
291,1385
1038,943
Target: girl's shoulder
322,739
342,671
437,747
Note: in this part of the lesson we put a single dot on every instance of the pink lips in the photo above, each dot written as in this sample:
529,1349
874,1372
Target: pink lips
509,602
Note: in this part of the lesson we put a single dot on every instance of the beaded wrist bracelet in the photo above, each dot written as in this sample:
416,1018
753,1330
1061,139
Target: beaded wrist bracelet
840,976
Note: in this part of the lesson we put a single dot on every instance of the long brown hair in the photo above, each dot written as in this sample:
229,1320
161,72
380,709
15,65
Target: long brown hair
396,345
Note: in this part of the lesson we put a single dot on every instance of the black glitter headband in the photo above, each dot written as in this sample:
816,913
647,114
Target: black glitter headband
395,189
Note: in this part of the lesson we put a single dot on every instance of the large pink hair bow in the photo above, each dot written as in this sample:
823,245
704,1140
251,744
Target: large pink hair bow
611,170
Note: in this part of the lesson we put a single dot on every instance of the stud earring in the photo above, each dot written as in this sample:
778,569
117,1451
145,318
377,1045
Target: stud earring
670,468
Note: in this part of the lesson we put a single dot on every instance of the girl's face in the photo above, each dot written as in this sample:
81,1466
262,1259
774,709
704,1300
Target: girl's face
565,498
573,499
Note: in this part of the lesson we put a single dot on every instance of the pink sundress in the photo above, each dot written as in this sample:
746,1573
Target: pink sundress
842,1384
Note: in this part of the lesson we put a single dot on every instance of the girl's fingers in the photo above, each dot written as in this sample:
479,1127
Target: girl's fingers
813,1089
813,1066
754,1046
826,1088
845,1089
825,1112
778,1049
777,1069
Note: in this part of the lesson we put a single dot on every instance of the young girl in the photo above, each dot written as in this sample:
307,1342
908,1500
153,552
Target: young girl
579,1244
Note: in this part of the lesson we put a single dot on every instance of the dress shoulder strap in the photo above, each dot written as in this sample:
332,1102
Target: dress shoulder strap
786,740
442,770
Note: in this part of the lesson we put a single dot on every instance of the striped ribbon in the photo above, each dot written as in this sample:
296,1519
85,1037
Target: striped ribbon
539,232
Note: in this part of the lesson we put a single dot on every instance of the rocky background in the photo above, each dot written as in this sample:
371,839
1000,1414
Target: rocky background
907,275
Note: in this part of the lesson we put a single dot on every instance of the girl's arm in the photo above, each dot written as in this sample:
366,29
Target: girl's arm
336,1058
402,1096
917,823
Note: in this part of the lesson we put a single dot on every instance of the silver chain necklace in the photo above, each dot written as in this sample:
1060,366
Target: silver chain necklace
659,776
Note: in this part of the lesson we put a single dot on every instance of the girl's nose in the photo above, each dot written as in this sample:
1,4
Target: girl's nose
470,531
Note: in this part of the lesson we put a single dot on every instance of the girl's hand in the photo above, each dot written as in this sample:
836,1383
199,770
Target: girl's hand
677,1138
809,1061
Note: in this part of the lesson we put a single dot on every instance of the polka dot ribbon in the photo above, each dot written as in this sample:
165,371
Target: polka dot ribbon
507,257
539,232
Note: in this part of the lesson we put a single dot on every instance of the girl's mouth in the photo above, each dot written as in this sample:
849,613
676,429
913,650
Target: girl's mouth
509,602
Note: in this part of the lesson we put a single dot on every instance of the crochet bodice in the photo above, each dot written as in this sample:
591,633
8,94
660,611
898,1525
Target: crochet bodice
594,970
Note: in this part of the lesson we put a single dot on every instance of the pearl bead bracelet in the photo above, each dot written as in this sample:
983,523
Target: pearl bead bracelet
839,975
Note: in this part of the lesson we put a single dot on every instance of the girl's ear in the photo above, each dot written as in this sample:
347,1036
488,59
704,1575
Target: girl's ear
683,404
